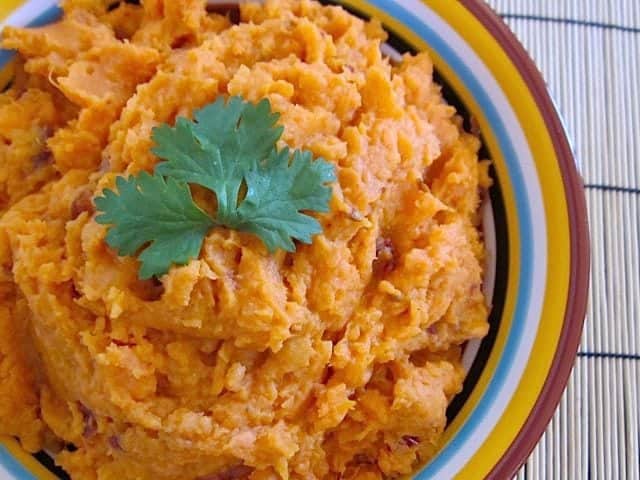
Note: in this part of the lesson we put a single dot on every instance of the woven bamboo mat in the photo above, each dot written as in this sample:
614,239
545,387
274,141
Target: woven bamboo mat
589,53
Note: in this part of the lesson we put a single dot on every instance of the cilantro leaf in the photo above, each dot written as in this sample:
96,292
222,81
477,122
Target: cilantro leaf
215,150
156,215
277,190
228,144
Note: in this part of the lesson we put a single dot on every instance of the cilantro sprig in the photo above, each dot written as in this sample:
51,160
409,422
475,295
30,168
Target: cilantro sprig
228,145
157,212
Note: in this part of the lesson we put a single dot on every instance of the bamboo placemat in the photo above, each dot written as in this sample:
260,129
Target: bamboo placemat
589,53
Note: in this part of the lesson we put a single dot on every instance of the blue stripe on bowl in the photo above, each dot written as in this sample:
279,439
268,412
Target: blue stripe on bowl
524,223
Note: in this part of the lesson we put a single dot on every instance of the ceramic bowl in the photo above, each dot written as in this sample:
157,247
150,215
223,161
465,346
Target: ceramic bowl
534,225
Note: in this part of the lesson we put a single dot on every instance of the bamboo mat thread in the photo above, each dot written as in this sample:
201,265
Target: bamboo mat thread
589,53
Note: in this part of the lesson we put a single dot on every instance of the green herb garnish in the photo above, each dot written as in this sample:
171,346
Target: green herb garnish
149,210
225,147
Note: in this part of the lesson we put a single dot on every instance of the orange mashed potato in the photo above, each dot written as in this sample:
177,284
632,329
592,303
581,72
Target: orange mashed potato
335,362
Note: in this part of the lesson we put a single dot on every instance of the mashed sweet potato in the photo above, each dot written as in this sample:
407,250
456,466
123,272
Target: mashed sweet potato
337,361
